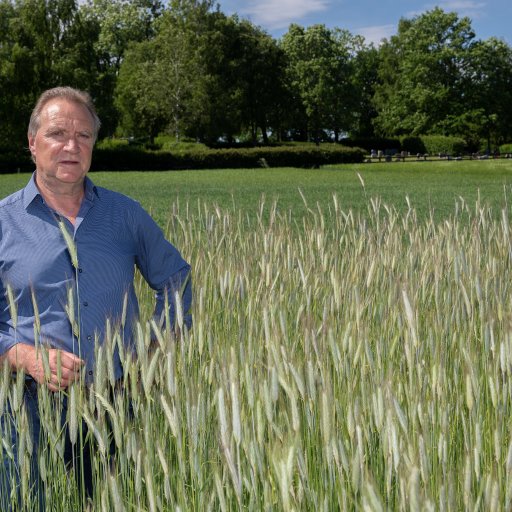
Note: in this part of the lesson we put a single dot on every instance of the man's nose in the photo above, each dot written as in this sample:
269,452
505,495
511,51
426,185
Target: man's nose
72,145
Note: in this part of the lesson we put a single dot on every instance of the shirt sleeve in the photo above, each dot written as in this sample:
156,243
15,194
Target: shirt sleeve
7,332
164,269
6,342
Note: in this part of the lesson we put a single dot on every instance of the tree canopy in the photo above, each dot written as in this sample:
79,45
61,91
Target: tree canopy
185,68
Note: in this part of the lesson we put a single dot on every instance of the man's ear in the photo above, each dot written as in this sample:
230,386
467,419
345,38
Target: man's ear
32,146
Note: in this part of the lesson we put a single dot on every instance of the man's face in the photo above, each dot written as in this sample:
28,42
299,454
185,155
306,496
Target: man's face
62,147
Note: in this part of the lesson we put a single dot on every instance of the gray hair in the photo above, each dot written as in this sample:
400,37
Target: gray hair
67,93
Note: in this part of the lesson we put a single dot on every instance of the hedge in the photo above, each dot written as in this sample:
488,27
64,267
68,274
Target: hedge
374,143
15,162
431,144
138,159
434,145
128,158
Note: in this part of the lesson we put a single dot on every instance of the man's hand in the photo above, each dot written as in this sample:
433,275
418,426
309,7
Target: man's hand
62,369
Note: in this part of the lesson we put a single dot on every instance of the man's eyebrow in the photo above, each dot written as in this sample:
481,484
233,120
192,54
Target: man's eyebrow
59,128
86,133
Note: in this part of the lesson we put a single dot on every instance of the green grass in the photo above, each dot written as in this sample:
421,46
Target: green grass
429,186
361,362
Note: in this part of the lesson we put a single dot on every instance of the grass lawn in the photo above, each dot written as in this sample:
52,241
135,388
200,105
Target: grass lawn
428,185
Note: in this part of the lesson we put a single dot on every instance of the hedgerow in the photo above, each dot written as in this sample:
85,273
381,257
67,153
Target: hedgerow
132,158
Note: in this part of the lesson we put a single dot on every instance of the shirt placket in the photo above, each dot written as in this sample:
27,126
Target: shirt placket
86,339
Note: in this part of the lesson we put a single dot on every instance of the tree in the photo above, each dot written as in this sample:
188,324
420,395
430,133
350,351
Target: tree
421,74
160,80
319,79
259,68
245,67
488,96
119,24
204,75
42,44
365,79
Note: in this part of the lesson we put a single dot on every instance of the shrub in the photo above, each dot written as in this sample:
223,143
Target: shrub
413,144
506,148
112,143
131,158
15,162
432,144
435,144
376,143
183,146
119,155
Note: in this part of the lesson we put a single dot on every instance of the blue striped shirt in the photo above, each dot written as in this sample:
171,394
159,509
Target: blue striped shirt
113,235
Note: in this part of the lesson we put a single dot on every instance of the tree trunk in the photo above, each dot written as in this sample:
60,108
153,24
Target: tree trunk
264,134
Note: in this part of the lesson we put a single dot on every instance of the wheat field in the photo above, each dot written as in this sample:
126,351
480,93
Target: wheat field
338,361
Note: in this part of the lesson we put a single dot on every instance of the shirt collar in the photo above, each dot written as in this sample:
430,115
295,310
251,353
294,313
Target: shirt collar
31,191
90,189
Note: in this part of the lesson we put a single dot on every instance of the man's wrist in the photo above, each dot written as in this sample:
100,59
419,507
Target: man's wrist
17,356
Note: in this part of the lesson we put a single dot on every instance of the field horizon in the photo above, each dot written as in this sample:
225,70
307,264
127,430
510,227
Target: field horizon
428,187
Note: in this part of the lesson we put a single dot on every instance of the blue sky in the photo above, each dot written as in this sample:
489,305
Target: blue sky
370,18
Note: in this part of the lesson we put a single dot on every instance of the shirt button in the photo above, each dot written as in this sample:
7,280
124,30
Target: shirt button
86,304
89,338
90,372
80,270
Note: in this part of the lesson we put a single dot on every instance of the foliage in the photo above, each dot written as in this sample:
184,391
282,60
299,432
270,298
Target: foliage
169,143
204,75
420,74
434,145
413,145
373,143
365,79
132,158
184,68
319,78
112,143
160,82
15,161
41,44
119,23
489,93
245,69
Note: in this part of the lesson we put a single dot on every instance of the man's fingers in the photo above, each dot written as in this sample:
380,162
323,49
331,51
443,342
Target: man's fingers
54,387
64,369
67,375
70,361
59,382
64,360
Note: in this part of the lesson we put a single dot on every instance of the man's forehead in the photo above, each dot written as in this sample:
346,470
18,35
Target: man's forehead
63,110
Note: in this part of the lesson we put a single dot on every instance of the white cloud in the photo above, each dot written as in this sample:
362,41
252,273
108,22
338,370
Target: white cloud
276,14
470,8
467,8
377,33
460,5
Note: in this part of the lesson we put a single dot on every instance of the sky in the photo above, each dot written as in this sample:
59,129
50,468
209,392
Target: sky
372,19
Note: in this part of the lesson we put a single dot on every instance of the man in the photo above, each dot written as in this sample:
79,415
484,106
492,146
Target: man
40,267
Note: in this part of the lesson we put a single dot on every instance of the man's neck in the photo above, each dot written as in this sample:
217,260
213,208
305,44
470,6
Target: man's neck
65,199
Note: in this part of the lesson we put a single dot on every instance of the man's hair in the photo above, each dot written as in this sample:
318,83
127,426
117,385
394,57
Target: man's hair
66,93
